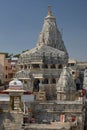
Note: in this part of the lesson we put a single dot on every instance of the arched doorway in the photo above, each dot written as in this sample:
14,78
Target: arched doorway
60,66
36,85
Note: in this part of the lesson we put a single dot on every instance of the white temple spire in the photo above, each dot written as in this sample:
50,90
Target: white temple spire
50,34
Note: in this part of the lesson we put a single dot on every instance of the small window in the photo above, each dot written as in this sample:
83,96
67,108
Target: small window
6,67
44,66
6,76
72,64
25,66
53,81
73,72
21,66
53,66
36,85
25,82
45,81
60,66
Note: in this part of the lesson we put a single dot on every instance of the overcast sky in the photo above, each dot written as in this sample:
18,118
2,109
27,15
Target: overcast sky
21,22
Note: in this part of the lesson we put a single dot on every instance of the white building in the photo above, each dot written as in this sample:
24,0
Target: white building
41,66
85,79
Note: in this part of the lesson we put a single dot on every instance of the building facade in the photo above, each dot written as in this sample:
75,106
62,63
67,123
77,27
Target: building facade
41,66
7,68
57,104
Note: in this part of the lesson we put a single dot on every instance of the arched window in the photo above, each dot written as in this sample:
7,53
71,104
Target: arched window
60,66
53,66
21,66
25,82
25,66
45,81
36,85
53,81
44,66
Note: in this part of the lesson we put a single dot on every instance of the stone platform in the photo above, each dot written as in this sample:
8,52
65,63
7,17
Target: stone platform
11,120
52,126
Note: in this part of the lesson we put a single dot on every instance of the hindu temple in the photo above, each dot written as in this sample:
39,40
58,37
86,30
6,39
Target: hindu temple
54,102
40,67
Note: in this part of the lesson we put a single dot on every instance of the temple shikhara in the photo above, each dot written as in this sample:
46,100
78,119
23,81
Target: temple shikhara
43,94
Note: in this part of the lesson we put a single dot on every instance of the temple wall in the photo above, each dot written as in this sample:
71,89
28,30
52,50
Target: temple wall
11,121
52,111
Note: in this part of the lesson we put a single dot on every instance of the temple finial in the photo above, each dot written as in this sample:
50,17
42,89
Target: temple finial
49,10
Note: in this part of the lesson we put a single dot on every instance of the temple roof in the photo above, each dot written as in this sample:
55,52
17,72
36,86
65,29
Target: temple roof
47,50
50,41
15,83
50,35
66,82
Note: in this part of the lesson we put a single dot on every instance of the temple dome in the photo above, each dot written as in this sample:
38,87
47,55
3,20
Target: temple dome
15,83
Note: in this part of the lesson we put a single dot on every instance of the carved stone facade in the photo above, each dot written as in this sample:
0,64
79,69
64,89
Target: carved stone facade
65,113
66,87
57,104
40,67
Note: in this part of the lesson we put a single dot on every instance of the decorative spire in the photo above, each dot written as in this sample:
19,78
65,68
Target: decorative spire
49,10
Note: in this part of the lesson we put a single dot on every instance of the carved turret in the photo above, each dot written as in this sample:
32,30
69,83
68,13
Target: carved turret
50,35
66,88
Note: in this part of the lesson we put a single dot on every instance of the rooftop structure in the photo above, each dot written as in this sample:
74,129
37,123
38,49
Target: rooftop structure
15,92
66,87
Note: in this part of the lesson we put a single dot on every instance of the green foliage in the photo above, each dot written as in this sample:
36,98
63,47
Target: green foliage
12,55
24,51
17,55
